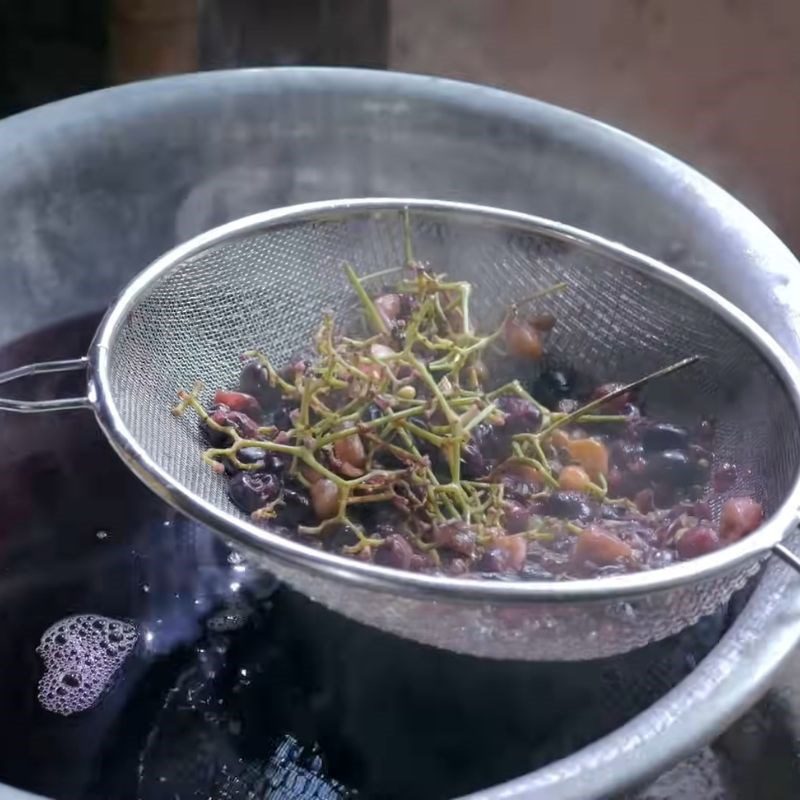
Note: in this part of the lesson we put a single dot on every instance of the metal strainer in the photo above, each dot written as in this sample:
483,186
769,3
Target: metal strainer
263,282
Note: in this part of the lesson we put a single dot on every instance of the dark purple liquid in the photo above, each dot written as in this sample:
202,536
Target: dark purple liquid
272,692
79,534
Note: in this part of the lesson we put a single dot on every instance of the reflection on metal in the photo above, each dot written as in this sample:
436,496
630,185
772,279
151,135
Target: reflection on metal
164,160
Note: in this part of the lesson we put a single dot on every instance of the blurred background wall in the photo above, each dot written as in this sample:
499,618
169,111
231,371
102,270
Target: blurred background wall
715,82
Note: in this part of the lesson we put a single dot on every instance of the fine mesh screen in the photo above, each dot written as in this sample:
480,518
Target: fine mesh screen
268,289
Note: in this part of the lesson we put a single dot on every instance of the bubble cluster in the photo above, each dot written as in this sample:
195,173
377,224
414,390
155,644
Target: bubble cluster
81,654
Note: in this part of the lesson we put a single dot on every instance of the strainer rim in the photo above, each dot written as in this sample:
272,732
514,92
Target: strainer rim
371,576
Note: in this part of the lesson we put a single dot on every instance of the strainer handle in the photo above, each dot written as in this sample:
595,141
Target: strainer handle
41,368
787,556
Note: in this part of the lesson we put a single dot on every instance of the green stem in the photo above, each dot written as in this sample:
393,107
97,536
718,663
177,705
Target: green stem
371,312
467,289
558,287
408,250
376,423
421,433
595,418
381,273
427,378
628,387
515,387
479,417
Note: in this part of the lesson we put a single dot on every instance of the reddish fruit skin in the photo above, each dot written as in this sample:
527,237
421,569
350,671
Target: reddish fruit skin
601,547
239,401
740,516
697,541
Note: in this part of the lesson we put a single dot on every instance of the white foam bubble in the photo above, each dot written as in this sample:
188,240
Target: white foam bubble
81,655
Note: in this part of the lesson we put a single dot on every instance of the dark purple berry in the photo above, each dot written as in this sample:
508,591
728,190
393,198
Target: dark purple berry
438,462
473,464
456,536
725,477
552,386
282,419
338,537
632,412
275,463
521,482
705,432
672,467
488,440
516,517
627,481
494,560
521,416
568,505
253,490
245,426
373,412
296,508
664,495
395,552
663,436
249,455
253,380
409,303
624,453
421,562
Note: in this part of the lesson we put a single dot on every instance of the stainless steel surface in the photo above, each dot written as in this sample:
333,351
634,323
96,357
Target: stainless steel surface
721,688
263,282
96,186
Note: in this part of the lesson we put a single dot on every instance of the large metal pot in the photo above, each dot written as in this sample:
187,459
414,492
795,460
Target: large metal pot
94,187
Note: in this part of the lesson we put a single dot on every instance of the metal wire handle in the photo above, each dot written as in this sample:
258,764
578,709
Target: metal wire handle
787,556
42,368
